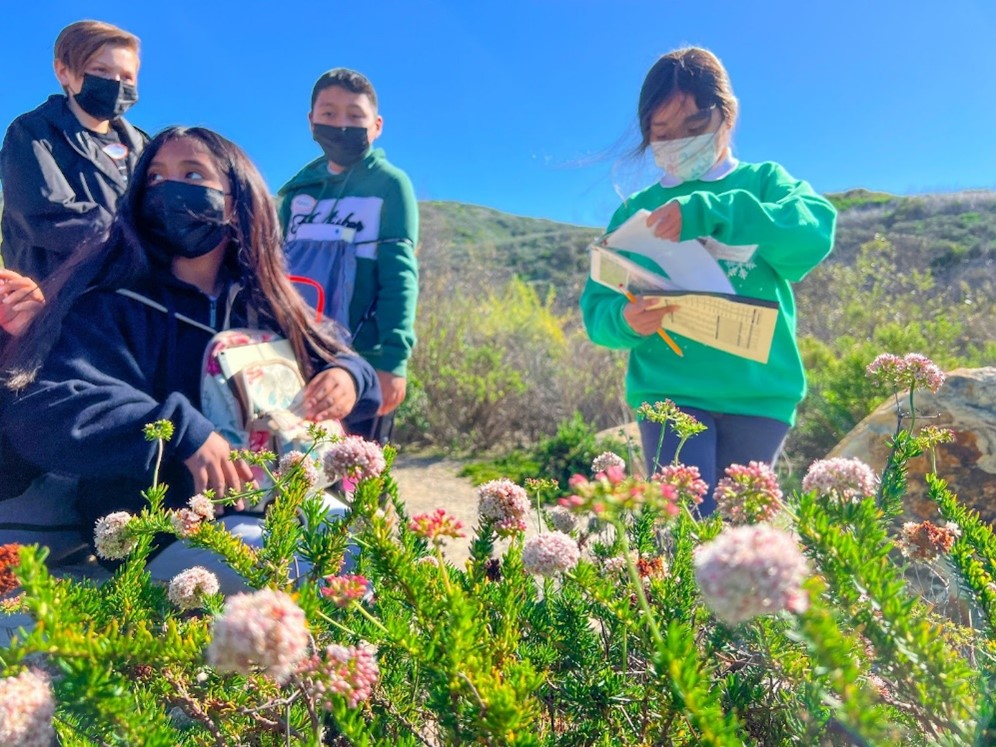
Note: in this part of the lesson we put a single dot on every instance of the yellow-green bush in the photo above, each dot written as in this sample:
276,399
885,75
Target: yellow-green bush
499,367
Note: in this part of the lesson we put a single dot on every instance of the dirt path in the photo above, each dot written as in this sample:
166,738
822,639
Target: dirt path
426,483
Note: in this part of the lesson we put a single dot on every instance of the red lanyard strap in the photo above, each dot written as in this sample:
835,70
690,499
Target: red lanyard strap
318,289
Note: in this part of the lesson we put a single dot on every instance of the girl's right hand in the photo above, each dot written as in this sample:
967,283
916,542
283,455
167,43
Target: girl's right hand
213,468
20,300
644,316
666,221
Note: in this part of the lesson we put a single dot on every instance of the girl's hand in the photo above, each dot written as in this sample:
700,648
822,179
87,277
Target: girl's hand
644,316
212,468
392,391
20,300
331,395
668,221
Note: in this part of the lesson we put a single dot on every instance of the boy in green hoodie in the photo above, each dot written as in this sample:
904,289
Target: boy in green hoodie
772,230
350,223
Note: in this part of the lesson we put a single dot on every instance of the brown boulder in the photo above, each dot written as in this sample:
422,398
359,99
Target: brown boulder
966,404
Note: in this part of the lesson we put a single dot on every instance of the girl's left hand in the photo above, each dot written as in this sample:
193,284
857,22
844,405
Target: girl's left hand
668,220
331,395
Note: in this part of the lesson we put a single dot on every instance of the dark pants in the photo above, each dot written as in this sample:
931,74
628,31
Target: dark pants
379,428
728,439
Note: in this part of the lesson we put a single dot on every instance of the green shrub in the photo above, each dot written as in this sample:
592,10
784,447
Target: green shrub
498,368
569,451
640,624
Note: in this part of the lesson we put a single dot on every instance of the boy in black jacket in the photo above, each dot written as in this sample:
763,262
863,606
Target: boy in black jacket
65,164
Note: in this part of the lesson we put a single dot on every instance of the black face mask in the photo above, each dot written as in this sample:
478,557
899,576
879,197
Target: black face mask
343,146
103,98
184,220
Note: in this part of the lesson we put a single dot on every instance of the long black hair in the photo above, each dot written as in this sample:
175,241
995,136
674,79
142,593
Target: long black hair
126,257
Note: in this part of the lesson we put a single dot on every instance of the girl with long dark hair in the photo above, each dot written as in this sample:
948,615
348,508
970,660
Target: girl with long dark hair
195,248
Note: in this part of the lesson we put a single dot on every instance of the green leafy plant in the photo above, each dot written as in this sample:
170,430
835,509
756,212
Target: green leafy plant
625,619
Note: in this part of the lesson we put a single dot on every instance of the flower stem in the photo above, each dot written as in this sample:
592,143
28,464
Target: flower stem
634,577
437,548
159,461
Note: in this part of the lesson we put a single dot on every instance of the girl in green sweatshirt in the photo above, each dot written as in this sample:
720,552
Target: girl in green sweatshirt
772,230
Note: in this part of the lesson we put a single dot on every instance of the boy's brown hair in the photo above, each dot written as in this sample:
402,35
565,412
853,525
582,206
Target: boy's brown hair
344,78
80,41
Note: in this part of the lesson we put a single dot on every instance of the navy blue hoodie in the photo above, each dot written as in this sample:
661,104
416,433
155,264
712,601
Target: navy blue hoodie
121,363
60,188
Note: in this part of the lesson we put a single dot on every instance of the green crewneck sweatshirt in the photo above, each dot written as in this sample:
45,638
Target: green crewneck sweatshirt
793,229
355,233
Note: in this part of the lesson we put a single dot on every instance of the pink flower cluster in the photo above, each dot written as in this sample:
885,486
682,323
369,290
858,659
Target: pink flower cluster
846,480
612,493
550,553
186,521
348,672
436,526
748,495
188,588
298,460
686,480
355,459
751,570
605,460
927,541
26,709
912,371
344,590
112,536
264,629
504,503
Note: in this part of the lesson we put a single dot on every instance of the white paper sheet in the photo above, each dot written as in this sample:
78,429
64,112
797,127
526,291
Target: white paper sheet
687,263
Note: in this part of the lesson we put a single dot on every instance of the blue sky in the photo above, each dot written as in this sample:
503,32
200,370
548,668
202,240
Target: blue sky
529,106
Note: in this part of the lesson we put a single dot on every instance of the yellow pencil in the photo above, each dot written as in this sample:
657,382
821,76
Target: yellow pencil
660,330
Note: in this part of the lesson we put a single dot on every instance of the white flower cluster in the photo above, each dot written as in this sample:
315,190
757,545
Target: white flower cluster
562,519
112,537
605,460
550,553
264,629
504,503
751,570
188,588
26,710
843,479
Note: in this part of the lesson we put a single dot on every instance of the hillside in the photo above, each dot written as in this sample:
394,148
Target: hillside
493,246
953,236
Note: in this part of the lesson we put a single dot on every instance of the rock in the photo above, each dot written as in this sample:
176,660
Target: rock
965,403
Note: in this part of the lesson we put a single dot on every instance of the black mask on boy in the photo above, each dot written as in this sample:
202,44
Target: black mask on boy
184,220
103,98
344,146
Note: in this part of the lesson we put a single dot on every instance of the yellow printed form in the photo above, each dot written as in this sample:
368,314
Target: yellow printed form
734,324
738,325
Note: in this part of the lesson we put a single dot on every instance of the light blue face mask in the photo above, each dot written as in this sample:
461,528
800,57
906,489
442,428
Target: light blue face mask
686,159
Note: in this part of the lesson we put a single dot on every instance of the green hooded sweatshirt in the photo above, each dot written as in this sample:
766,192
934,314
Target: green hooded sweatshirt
793,229
355,233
